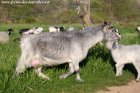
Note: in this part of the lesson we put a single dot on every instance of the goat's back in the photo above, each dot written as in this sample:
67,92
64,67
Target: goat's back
54,45
126,53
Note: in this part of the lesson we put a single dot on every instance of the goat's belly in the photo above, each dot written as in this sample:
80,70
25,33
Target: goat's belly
44,61
53,62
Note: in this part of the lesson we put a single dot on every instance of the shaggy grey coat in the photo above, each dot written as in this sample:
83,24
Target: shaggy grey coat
49,49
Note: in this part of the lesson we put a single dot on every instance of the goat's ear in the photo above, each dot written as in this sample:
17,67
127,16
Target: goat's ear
105,23
105,26
114,45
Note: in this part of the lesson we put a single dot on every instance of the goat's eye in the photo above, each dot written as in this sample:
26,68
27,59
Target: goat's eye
113,30
111,26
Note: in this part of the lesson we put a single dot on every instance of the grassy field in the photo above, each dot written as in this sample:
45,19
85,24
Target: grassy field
97,70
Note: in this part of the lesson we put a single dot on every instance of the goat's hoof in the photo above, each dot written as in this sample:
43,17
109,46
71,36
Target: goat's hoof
117,75
15,76
45,78
137,80
62,77
79,80
48,78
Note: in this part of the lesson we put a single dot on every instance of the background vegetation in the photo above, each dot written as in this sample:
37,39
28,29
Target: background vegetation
59,12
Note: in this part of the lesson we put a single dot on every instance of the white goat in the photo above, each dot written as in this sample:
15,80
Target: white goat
138,28
4,36
70,28
124,54
35,30
56,29
49,49
31,31
38,30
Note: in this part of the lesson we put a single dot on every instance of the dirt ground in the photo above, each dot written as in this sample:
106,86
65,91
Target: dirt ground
132,87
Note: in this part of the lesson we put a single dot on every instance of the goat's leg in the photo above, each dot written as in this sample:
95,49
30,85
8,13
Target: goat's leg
40,74
71,71
77,71
36,63
119,68
137,66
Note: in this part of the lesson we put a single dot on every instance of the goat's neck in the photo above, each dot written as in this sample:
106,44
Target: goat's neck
92,38
109,45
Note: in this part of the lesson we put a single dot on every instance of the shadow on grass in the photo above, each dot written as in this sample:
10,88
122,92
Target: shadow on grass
99,51
131,68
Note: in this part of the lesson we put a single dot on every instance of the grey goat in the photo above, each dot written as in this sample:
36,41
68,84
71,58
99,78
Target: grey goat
124,54
49,49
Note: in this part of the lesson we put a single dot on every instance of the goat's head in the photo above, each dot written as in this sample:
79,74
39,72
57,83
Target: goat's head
110,33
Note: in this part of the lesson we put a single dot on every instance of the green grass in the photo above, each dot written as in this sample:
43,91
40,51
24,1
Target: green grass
97,70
